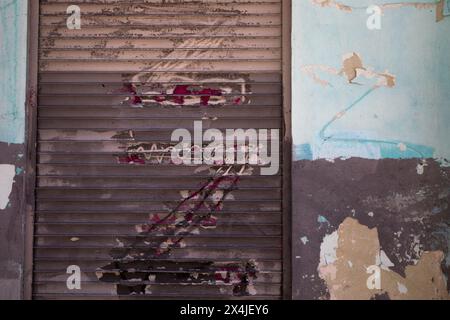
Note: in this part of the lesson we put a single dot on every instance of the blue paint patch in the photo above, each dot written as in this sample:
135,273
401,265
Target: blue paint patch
436,210
303,152
19,171
395,151
358,144
322,220
447,8
13,34
414,112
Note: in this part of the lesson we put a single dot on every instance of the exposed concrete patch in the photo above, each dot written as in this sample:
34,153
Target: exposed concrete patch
361,245
7,174
11,223
352,68
328,248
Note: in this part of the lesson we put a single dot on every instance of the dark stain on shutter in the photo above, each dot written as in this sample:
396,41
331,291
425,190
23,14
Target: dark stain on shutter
109,198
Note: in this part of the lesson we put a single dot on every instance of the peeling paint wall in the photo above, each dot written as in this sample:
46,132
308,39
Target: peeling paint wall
371,177
357,255
7,172
370,174
370,93
13,24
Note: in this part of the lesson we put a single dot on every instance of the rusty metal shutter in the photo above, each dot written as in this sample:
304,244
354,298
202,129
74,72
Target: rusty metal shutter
108,199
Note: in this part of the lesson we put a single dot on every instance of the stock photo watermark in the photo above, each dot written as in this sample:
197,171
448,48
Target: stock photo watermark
74,20
374,20
374,280
236,147
74,280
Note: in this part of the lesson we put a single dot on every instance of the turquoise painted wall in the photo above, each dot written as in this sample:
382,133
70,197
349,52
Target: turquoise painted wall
13,53
370,118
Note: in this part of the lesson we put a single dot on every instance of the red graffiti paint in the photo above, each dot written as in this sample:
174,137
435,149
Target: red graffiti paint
179,95
206,95
209,222
131,159
181,92
129,88
136,100
165,232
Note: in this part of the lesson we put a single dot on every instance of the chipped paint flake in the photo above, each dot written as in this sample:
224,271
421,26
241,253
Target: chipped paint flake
402,288
328,249
332,3
383,261
322,220
402,147
304,240
421,167
7,174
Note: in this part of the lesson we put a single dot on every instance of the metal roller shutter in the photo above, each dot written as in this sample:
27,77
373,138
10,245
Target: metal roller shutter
108,198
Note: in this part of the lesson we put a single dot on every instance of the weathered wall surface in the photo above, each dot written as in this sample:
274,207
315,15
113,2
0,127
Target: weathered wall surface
371,177
13,22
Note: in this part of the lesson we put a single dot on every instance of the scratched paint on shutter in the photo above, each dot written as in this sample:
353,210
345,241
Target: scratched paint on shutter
109,198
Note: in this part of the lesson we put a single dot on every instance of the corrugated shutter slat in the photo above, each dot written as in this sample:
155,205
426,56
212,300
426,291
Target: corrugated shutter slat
109,199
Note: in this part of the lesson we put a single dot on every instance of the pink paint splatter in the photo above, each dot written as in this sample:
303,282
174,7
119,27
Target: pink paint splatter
131,159
182,91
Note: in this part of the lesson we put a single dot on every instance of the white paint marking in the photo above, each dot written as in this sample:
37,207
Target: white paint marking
328,249
7,174
383,261
305,240
421,167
